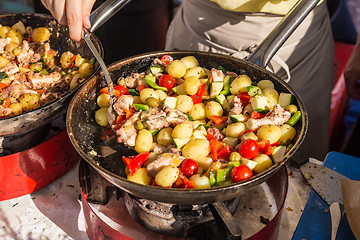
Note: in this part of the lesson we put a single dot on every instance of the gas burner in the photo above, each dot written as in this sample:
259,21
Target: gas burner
112,213
172,219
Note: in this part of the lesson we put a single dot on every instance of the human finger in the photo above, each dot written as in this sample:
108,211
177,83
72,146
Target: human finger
74,10
87,7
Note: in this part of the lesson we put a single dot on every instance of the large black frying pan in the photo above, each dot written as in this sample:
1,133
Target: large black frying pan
85,134
61,42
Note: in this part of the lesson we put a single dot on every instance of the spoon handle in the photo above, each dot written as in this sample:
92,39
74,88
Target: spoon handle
335,214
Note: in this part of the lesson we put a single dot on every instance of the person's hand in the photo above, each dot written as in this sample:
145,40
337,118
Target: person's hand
74,13
352,72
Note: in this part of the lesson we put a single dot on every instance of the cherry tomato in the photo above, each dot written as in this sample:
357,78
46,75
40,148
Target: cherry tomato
189,167
166,59
248,148
167,81
240,173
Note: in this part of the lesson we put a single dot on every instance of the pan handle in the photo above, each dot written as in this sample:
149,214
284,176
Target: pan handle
106,10
272,43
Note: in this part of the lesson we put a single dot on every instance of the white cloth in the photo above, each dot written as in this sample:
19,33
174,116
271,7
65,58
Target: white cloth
203,25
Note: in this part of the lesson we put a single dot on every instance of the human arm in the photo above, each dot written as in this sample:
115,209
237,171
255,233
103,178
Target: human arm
352,72
74,13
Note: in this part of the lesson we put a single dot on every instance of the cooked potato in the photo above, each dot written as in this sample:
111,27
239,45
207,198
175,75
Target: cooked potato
100,117
3,61
205,163
176,69
16,108
85,69
263,162
272,96
20,27
287,134
29,101
269,132
192,85
196,149
200,181
16,36
140,176
137,100
240,84
184,103
11,47
162,94
198,112
265,84
164,137
143,141
190,62
40,34
103,100
167,176
75,80
182,130
213,108
196,72
234,129
4,31
148,92
79,60
65,59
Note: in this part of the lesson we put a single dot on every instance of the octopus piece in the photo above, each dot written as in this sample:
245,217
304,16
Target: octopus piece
25,54
4,111
123,102
175,117
15,90
216,75
277,116
127,133
135,80
237,106
216,133
163,160
10,68
157,148
39,80
3,43
157,120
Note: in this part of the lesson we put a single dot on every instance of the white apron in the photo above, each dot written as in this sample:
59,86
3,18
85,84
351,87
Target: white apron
203,25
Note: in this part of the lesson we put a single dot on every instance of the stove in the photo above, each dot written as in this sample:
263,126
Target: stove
32,160
111,213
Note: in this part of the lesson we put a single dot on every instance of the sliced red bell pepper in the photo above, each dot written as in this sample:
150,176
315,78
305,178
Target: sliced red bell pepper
141,87
6,103
3,85
119,119
135,162
244,98
225,152
269,150
263,144
210,137
197,98
41,91
256,115
122,90
73,61
215,147
218,119
185,180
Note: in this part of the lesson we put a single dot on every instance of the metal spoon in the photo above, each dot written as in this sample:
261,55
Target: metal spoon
97,18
